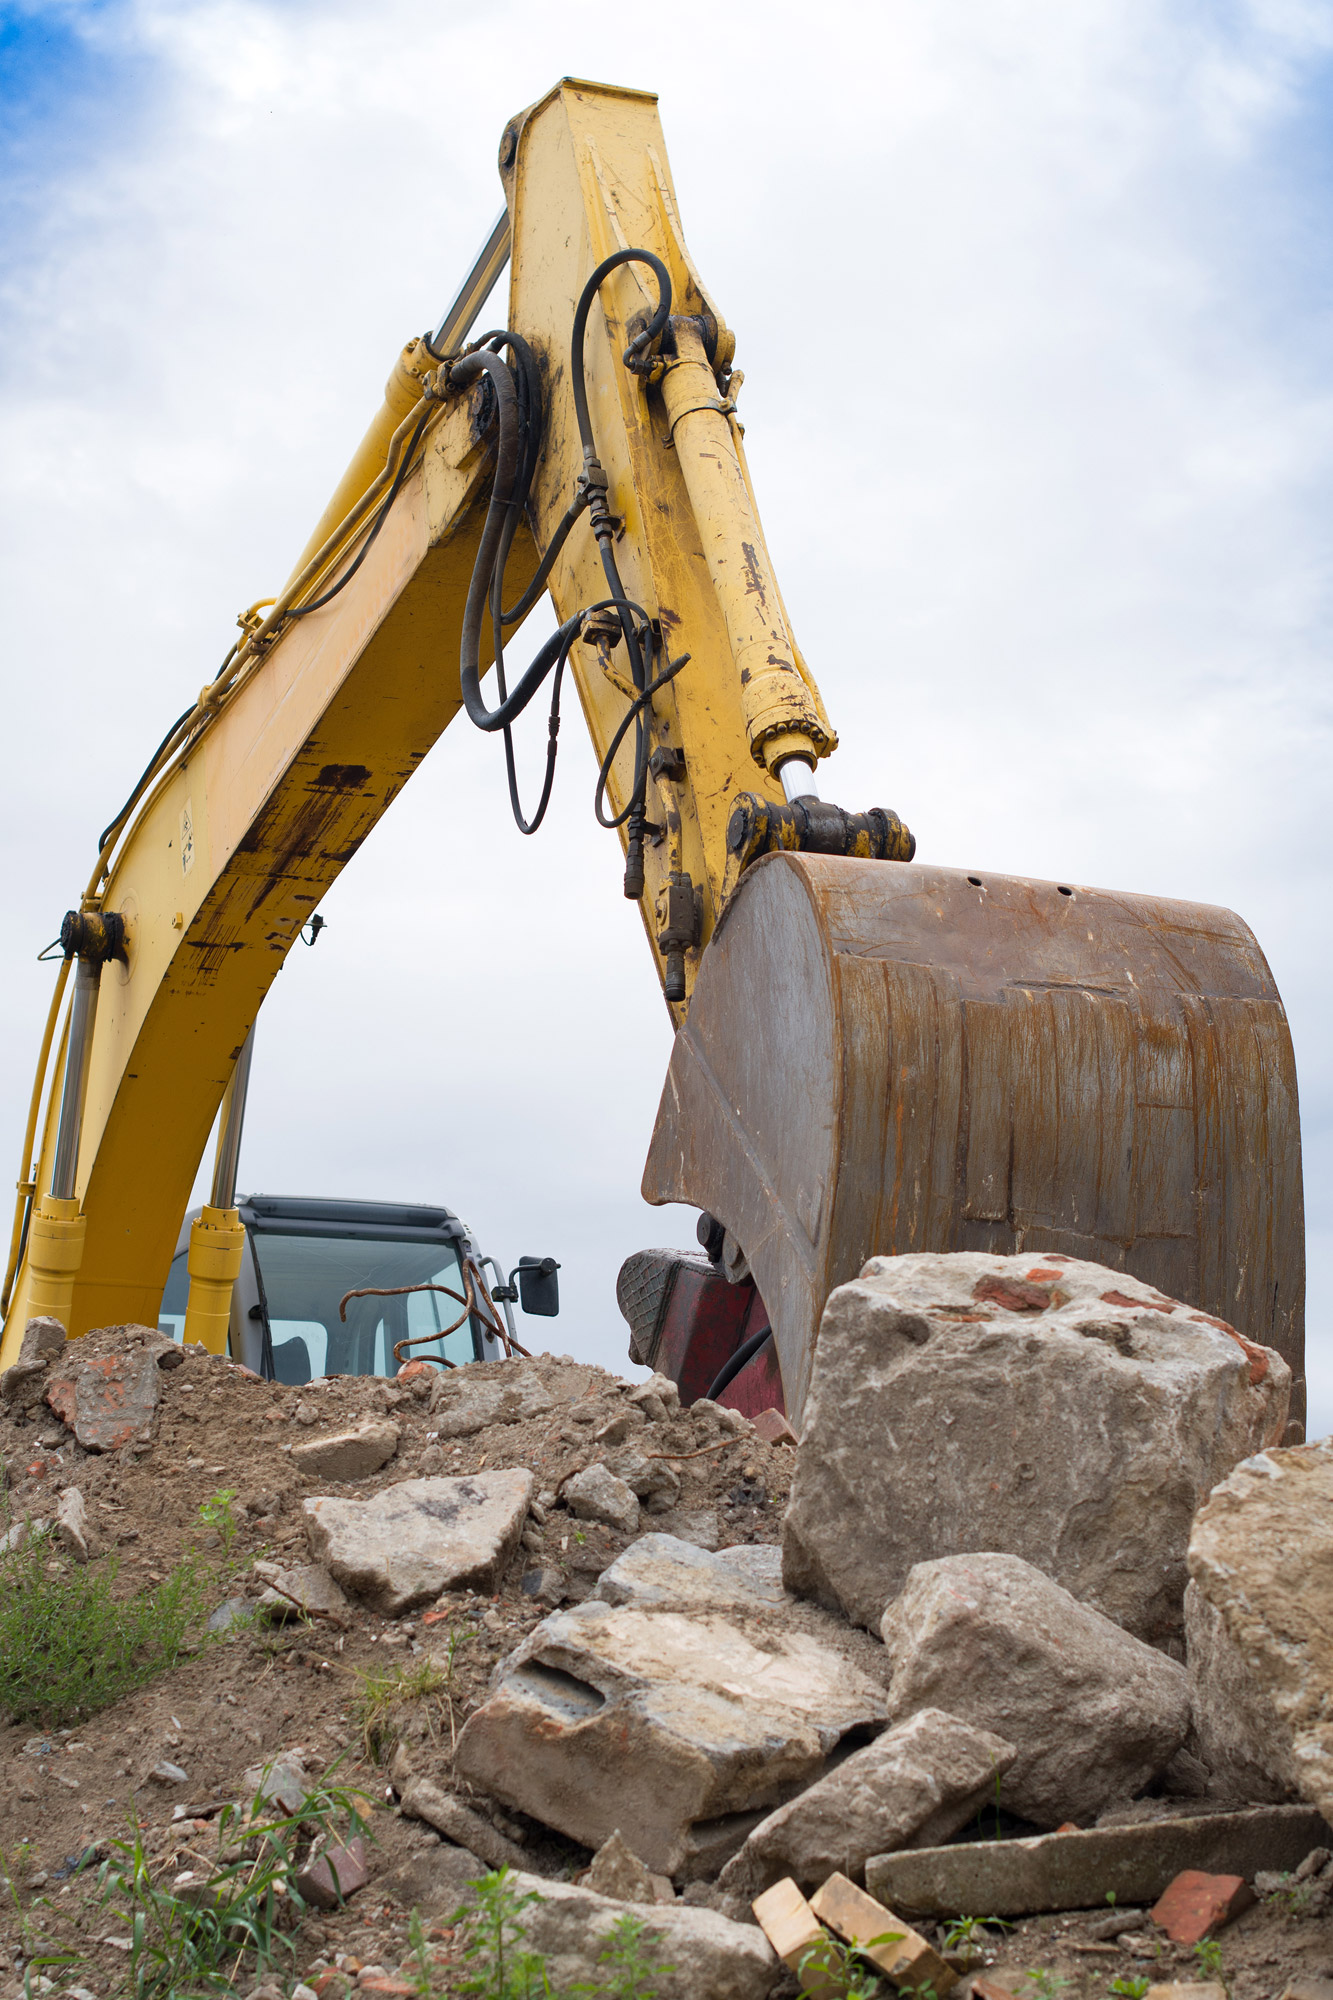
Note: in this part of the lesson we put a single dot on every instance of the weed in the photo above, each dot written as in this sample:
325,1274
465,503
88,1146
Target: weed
501,1966
218,1514
971,1931
192,1938
1045,1984
69,1647
1132,1988
380,1695
631,1973
831,1965
1208,1958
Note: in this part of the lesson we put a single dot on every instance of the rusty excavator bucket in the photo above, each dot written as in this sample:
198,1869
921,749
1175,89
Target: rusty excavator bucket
885,1057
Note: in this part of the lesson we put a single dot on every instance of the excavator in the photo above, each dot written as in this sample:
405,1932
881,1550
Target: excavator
873,1054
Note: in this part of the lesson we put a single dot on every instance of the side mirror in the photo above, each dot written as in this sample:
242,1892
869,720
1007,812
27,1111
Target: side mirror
538,1286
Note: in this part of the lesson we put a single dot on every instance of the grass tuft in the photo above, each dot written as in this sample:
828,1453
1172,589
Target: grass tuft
69,1646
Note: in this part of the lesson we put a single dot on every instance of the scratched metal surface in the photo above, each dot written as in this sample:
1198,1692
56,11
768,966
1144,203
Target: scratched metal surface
884,1057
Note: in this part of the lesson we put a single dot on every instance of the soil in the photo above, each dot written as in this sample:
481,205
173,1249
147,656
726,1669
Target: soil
243,1696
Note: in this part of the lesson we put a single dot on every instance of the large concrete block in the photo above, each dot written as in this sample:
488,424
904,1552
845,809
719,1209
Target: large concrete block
1093,1713
1040,1406
678,1728
1237,1732
1261,1556
408,1543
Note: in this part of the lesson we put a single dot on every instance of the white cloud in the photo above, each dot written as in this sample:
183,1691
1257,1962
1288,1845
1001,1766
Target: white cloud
1040,420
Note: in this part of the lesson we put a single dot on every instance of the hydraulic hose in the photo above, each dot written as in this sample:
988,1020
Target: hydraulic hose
730,1369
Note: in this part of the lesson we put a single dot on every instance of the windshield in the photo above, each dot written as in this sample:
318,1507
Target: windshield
304,1277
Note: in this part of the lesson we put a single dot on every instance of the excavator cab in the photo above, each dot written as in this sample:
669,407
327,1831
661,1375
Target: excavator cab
301,1258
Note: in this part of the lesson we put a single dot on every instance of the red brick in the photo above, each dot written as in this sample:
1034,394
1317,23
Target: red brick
773,1427
411,1370
1195,1904
392,1989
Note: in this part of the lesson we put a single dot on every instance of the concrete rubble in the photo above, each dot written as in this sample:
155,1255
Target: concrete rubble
613,1682
1093,1714
925,1363
1261,1558
1082,1869
677,1727
913,1786
348,1454
707,1954
424,1536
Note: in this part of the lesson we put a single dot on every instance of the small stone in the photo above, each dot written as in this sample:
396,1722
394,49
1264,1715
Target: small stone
1188,1989
70,1528
773,1427
654,1481
1314,1863
305,1413
617,1871
618,1428
305,1587
334,1875
424,1536
350,1454
1195,1905
595,1494
232,1612
280,1787
167,1773
544,1585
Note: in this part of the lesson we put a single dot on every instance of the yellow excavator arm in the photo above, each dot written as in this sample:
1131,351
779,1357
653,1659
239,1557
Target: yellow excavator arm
267,786
869,1058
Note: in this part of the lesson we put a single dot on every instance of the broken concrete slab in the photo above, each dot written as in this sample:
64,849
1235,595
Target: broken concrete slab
1078,1870
1261,1555
595,1494
569,1928
463,1403
1236,1729
913,1786
653,1481
355,1453
663,1571
408,1543
297,1588
277,1789
108,1400
425,1800
677,1728
1093,1713
926,1361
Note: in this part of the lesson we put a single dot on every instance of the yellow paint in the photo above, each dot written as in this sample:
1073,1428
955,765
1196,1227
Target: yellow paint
238,843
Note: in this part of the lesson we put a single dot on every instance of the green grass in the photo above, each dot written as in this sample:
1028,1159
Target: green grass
382,1696
69,1646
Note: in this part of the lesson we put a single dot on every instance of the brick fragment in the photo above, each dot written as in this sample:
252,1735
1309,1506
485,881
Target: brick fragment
904,1955
334,1876
773,1427
109,1400
1016,1295
1195,1905
794,1931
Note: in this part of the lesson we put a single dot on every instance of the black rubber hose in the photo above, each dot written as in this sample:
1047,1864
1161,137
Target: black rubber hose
381,516
730,1370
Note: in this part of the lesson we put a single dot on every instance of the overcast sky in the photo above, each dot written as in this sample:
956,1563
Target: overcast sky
1033,303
